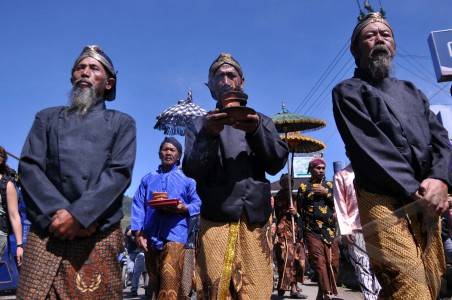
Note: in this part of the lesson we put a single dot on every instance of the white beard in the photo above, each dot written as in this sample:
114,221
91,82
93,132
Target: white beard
82,99
379,64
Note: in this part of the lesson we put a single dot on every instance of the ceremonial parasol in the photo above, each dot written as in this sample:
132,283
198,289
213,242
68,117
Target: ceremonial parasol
174,119
299,143
286,122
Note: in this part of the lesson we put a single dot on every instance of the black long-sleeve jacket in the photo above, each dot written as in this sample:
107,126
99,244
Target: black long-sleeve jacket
79,163
230,169
392,138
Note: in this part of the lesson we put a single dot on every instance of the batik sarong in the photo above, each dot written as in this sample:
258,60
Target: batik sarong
165,270
234,261
289,251
405,267
290,260
360,260
84,268
325,260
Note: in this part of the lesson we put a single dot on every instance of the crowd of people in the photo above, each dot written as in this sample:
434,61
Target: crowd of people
215,239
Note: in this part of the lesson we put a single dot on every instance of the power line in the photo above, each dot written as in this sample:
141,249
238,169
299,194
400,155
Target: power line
414,73
418,66
345,67
437,92
420,77
424,57
322,77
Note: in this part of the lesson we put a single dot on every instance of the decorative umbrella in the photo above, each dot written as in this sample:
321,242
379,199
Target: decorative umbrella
299,143
174,119
286,122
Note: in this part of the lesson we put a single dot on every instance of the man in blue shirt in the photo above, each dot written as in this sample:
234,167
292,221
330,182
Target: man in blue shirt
163,232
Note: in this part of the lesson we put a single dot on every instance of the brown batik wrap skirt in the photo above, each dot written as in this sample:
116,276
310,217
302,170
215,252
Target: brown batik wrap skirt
290,260
397,247
165,270
234,261
84,268
325,260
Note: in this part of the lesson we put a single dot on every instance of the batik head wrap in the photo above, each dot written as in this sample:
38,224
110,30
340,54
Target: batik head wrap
372,17
222,59
96,52
175,143
315,162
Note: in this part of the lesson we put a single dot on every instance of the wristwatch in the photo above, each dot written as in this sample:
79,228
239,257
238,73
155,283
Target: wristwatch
19,246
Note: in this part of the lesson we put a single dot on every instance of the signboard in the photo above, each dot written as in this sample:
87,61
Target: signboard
440,43
301,163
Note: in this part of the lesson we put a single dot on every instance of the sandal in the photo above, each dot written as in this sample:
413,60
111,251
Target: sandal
298,295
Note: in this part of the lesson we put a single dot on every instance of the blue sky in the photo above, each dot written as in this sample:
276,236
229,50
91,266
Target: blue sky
163,48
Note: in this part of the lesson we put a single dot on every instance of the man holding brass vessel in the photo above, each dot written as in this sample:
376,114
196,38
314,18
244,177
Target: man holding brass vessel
228,153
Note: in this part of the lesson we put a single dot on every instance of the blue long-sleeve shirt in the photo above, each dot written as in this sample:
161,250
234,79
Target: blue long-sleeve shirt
158,225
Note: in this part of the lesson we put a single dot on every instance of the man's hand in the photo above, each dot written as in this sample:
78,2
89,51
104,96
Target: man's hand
215,122
141,241
64,225
19,255
88,231
292,211
320,190
432,194
181,208
249,125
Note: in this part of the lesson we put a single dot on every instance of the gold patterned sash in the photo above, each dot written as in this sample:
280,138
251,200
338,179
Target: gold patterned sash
228,260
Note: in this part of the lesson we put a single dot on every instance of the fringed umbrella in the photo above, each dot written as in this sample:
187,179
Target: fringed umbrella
174,119
286,122
299,143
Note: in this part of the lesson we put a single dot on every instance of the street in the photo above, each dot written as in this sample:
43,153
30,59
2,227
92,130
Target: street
309,289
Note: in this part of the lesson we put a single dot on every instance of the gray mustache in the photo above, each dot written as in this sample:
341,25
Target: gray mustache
378,50
84,81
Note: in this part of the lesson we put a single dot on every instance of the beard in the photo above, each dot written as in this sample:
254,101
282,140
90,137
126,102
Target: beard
379,63
82,98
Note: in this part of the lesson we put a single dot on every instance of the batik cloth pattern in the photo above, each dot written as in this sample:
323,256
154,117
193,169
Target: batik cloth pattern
290,259
396,246
290,256
325,260
360,261
317,210
165,270
252,275
84,268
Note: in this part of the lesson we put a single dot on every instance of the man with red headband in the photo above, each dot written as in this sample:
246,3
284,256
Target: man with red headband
315,200
75,167
401,156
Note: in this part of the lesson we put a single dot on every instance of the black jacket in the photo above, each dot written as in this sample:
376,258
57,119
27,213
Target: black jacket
80,163
230,169
392,138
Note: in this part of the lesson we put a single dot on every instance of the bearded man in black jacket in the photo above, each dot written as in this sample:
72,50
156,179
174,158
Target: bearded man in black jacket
401,155
75,167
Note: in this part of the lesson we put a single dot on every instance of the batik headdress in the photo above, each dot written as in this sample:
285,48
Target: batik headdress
372,16
96,52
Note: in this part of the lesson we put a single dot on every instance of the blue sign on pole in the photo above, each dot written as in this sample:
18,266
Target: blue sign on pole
440,43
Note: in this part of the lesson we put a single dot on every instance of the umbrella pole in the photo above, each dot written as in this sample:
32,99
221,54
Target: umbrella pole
12,155
290,194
